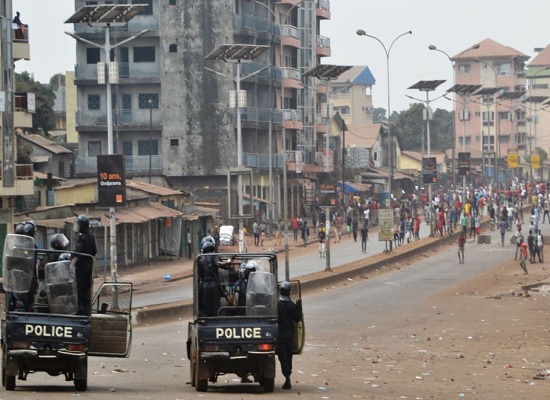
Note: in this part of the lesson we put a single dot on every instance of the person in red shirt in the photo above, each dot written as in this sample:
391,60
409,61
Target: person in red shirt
461,243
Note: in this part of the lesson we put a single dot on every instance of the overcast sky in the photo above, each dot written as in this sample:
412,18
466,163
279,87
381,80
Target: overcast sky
451,26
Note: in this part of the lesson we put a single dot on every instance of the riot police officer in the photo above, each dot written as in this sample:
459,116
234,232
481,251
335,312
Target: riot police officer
84,265
209,279
242,283
289,313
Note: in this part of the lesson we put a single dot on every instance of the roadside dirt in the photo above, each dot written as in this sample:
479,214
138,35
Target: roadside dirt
486,339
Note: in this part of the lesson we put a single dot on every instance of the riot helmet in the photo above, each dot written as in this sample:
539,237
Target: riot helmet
19,229
251,266
59,241
29,228
208,239
208,247
64,257
81,224
284,290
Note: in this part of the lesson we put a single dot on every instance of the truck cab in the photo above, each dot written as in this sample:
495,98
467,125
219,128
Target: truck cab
241,338
41,330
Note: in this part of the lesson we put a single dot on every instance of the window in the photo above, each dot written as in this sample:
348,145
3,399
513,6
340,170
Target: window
173,48
172,2
174,142
503,115
92,55
61,171
93,102
126,101
147,10
144,98
94,148
127,148
143,147
91,3
375,156
504,69
464,68
144,54
342,110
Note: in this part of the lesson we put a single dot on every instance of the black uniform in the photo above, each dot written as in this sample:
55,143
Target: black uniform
209,276
83,268
289,313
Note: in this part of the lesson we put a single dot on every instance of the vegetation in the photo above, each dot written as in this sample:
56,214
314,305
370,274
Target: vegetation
43,119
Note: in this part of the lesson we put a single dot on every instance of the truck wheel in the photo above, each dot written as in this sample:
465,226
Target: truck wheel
192,372
268,384
201,385
80,385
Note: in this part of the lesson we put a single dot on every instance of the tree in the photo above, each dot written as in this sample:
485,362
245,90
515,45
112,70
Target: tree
43,120
56,81
378,115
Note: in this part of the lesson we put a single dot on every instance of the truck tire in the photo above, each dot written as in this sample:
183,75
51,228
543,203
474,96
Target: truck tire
192,372
268,384
201,385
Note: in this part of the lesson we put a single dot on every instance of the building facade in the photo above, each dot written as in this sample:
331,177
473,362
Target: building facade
171,111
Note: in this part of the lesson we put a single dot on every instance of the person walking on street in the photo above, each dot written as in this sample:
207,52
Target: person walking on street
461,243
502,227
354,227
531,246
289,313
305,233
256,232
263,233
348,224
279,233
295,228
322,239
464,223
540,246
189,245
523,257
519,241
364,238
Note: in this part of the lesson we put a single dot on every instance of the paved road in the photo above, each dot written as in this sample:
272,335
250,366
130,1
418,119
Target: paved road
343,253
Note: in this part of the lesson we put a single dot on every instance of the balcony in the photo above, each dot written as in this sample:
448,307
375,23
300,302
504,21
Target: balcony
254,24
259,115
135,165
257,160
24,107
323,9
321,124
307,160
23,184
292,78
267,74
141,22
21,48
290,36
126,71
131,117
323,46
293,119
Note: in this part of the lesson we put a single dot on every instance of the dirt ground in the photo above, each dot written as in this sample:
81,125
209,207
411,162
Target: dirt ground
486,339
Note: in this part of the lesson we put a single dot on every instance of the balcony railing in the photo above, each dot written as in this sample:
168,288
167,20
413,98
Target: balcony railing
254,23
257,160
253,114
323,41
324,4
125,70
133,164
125,116
268,73
292,73
293,115
289,30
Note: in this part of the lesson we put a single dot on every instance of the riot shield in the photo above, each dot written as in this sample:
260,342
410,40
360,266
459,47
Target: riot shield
19,264
60,280
261,294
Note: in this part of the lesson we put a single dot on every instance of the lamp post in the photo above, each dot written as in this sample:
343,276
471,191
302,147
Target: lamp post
105,17
434,48
428,86
361,32
150,136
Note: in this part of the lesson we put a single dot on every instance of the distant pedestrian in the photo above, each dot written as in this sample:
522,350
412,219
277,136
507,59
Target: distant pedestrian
519,241
364,238
189,245
263,233
461,243
349,221
540,245
523,257
305,233
322,241
354,227
295,227
279,233
531,246
256,232
464,223
502,227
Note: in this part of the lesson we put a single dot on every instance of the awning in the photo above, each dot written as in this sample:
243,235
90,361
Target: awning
133,215
257,200
352,187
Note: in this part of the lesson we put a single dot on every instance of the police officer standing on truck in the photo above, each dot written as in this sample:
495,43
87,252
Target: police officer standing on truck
289,313
209,278
84,265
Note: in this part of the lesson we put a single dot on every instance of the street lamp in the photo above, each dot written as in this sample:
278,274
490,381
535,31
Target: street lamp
105,17
361,32
434,48
428,86
237,54
327,72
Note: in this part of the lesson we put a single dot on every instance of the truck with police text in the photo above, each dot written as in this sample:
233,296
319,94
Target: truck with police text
41,328
241,337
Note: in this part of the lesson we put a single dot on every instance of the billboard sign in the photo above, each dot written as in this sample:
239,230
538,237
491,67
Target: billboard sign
111,180
429,170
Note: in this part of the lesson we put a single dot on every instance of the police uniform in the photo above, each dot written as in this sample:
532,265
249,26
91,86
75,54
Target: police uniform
209,275
289,313
83,269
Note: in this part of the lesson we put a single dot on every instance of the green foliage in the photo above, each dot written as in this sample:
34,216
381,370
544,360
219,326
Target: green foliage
56,81
378,115
43,120
409,127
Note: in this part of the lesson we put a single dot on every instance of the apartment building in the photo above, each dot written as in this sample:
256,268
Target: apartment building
15,179
172,115
490,123
351,95
538,115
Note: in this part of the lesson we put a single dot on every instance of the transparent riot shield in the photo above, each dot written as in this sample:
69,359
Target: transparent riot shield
261,294
19,264
60,280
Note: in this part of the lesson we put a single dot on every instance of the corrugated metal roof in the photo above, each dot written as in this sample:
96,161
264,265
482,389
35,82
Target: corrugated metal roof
45,143
363,135
134,215
150,188
51,223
